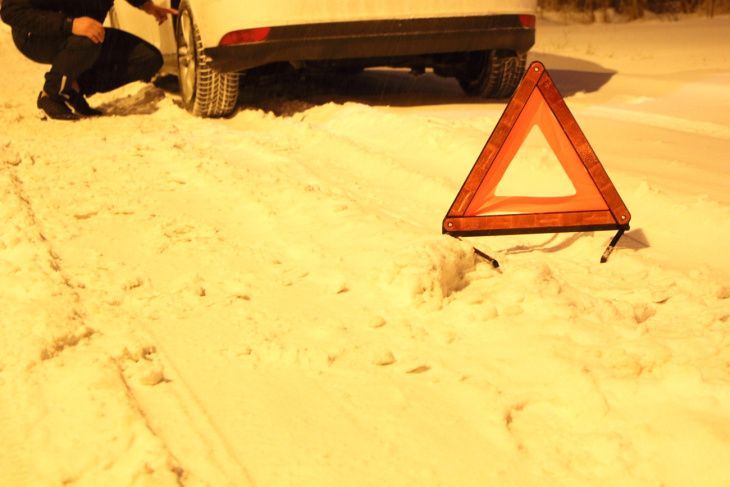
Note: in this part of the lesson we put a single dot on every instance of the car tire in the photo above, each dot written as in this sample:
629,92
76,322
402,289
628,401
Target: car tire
205,92
493,74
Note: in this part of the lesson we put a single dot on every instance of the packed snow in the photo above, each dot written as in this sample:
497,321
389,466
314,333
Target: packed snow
267,299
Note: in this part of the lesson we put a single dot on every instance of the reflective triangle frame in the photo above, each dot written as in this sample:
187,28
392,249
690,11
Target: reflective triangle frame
596,205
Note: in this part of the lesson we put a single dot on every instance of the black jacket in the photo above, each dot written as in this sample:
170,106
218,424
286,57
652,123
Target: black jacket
52,17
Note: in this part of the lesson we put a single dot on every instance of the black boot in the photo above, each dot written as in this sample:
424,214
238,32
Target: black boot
54,107
78,104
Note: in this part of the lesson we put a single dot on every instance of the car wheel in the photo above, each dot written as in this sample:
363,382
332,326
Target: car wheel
205,91
493,74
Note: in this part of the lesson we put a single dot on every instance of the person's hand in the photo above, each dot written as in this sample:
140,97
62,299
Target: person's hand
88,27
159,13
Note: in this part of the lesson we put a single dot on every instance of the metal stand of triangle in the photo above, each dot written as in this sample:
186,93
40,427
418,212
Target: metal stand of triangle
479,209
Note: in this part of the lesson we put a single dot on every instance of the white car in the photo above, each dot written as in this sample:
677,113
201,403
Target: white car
482,43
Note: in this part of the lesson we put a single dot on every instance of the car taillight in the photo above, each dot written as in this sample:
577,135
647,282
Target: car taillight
246,36
527,21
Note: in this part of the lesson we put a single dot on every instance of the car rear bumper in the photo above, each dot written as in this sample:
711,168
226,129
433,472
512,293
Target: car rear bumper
376,39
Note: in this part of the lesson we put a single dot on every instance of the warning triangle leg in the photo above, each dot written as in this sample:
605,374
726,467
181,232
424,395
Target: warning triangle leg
484,256
612,245
481,254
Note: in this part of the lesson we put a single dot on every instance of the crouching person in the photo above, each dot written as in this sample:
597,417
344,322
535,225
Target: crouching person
85,57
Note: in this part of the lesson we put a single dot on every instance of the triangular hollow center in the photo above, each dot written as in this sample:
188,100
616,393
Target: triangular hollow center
535,171
549,175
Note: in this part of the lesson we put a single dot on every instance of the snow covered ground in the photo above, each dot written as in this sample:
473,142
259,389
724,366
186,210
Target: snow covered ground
268,300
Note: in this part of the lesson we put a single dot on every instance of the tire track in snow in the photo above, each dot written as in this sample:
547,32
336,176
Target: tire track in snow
218,464
47,351
397,182
124,344
29,332
35,284
694,127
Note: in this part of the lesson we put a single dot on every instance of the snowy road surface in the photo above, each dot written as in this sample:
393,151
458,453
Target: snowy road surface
267,300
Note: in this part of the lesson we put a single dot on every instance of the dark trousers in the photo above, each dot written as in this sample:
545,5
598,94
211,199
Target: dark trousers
97,68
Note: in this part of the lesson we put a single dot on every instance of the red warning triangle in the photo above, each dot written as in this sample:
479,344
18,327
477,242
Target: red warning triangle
595,204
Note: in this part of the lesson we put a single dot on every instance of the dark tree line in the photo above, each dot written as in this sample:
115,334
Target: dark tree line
603,10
